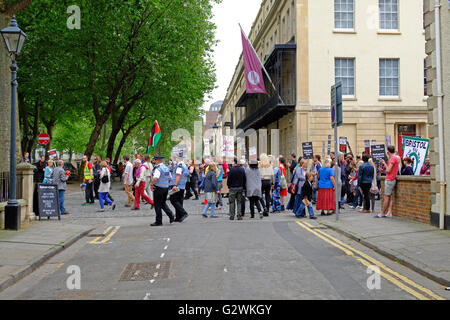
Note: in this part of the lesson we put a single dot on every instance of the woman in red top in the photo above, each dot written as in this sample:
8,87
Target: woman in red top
283,193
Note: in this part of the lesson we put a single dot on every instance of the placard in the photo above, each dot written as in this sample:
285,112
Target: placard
207,150
253,154
48,201
228,147
416,149
343,144
329,145
367,146
378,153
308,150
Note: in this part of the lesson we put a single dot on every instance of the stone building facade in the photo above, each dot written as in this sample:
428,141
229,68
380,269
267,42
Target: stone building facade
430,34
376,48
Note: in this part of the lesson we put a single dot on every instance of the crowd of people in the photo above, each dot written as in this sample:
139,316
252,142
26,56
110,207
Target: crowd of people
266,183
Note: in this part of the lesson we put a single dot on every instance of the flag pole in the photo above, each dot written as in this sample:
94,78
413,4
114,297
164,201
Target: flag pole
262,65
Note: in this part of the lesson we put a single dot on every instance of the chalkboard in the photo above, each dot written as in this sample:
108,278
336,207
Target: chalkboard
378,153
308,150
48,201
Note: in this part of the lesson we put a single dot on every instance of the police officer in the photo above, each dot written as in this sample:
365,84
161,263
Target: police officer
178,186
160,187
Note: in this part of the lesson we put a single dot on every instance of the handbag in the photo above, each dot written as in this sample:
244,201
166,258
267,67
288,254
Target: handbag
283,182
105,178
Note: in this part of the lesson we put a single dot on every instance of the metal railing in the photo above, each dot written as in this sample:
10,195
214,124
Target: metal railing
4,186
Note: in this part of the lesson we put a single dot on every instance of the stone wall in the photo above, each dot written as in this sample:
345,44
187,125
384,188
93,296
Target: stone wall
411,198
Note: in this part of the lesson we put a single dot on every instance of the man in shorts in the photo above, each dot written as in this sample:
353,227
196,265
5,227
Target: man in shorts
390,182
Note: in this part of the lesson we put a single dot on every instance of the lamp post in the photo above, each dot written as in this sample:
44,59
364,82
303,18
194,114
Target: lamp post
215,127
14,39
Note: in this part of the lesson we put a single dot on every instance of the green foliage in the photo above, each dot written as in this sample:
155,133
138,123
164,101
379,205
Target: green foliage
132,61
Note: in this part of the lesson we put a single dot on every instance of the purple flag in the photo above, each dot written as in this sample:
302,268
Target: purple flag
253,72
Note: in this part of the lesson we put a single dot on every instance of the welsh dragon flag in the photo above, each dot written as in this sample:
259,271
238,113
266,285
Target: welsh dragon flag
155,136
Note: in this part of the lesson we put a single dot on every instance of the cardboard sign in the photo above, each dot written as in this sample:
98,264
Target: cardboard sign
367,146
378,153
48,201
308,150
416,149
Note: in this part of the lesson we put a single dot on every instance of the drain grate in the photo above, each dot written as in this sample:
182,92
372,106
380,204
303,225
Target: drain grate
146,271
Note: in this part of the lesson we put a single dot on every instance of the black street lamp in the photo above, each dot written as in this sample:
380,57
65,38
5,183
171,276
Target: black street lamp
215,127
14,39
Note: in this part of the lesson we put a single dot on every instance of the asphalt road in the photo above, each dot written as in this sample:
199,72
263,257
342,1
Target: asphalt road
279,257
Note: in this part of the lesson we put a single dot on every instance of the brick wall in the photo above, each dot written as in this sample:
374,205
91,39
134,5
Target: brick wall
411,198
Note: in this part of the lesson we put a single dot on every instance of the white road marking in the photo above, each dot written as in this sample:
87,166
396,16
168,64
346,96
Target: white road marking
168,239
158,266
162,255
147,296
152,281
225,269
165,248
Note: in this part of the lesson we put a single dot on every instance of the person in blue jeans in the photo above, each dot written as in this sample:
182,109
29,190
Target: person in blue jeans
306,196
211,189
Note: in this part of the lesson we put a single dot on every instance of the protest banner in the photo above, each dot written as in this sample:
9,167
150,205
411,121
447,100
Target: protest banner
378,153
416,149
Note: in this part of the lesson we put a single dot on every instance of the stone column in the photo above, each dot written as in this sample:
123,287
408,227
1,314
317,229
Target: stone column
26,171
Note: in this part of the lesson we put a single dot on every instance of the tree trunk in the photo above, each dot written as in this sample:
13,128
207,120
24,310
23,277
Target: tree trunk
121,144
95,134
112,140
49,126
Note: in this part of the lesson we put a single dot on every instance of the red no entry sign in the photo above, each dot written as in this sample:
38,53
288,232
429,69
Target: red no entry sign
44,138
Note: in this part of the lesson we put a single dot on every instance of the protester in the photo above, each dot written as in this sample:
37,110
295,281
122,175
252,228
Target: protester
148,179
283,182
391,180
317,165
128,180
103,189
226,170
293,164
160,188
327,187
253,188
407,170
139,188
426,168
299,180
40,169
97,169
343,179
267,180
236,182
48,173
219,177
306,198
365,178
120,169
276,189
374,189
108,166
358,196
348,170
243,164
60,179
26,158
211,191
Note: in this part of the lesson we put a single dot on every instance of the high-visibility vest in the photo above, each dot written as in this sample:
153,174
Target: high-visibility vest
164,178
184,176
87,172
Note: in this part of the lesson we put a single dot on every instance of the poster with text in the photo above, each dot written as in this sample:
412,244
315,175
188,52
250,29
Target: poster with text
416,149
228,147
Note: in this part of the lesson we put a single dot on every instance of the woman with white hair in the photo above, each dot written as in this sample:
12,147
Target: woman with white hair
327,187
267,180
48,173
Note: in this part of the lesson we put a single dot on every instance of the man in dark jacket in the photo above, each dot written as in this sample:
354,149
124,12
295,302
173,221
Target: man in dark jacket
236,182
365,177
40,169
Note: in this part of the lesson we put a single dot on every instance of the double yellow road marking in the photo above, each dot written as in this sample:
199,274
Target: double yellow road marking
386,272
106,236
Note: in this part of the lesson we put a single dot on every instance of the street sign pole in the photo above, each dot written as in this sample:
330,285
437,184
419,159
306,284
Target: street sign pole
336,121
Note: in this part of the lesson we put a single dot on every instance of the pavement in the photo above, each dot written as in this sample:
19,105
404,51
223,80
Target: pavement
231,259
421,247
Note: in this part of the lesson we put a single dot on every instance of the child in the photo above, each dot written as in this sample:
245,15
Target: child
306,195
211,189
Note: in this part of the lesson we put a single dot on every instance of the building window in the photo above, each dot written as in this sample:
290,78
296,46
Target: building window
388,14
389,77
343,14
344,71
425,93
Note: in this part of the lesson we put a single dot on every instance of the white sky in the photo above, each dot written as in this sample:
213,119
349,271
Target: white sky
227,16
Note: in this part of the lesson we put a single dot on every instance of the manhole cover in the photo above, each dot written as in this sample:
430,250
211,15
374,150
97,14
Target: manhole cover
146,271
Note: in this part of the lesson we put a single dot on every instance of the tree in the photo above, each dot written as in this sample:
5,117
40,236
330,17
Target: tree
7,9
131,59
